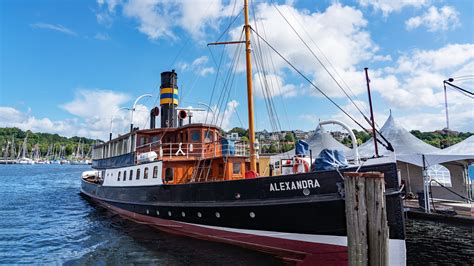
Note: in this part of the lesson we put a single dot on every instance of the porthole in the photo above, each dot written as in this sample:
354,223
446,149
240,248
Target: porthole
147,211
169,213
199,214
252,215
306,192
157,212
183,214
218,215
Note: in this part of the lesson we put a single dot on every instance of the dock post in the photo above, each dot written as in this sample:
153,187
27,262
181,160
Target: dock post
366,218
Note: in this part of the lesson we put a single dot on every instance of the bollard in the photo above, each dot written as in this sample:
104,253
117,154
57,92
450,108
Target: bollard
366,218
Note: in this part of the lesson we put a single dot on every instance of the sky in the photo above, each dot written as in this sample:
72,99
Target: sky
67,67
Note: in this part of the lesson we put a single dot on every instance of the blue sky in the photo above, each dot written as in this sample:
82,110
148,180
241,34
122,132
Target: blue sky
67,66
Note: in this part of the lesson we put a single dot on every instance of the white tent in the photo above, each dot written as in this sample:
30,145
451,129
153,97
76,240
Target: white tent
317,142
465,147
414,157
461,152
403,142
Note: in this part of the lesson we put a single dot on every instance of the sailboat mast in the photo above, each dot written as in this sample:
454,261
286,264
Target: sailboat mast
253,155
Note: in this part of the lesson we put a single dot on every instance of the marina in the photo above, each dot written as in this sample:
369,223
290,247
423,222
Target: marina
238,132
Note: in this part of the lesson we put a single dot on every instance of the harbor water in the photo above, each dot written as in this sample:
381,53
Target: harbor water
44,220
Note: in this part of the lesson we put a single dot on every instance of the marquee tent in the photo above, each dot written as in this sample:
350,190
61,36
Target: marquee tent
403,142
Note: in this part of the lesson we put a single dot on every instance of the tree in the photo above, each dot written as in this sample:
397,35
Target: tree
242,132
289,137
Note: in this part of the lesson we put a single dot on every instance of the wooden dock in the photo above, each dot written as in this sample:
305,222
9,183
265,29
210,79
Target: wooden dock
443,211
8,161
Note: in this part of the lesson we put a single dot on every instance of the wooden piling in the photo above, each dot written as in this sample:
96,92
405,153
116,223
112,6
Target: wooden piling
366,218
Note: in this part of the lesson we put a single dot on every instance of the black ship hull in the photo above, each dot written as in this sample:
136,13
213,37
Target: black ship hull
300,216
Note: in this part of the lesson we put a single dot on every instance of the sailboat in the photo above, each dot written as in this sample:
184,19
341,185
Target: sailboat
24,150
190,180
79,156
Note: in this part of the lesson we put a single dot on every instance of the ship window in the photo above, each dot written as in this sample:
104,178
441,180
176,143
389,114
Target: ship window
131,175
208,136
154,139
124,175
169,174
236,168
138,173
155,172
145,173
118,177
196,136
143,141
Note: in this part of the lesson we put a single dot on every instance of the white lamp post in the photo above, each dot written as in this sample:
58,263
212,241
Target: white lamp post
133,108
112,120
210,109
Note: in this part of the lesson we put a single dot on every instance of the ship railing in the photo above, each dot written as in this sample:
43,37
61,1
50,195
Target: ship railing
194,150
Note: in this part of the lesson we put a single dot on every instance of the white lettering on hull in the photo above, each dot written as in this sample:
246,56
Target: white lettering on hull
294,185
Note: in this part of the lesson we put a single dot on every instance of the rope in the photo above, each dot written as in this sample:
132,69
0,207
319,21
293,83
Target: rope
388,146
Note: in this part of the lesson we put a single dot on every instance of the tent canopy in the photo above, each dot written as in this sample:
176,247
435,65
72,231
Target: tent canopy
462,152
403,142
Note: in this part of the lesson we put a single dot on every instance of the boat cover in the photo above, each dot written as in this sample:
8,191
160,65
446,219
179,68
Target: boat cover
317,142
301,148
330,160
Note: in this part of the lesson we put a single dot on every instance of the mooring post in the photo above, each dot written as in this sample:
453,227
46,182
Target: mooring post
366,218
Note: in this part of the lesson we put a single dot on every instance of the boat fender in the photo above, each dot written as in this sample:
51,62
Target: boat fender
298,162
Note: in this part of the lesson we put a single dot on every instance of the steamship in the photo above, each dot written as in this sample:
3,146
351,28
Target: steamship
188,179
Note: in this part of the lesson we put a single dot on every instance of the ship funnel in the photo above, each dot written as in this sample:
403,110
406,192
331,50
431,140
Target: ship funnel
169,99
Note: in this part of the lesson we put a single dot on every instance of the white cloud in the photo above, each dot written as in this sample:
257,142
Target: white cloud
389,6
158,18
199,66
12,117
155,18
55,27
416,80
223,117
93,111
434,19
109,4
341,36
275,85
200,61
206,71
95,108
102,36
90,103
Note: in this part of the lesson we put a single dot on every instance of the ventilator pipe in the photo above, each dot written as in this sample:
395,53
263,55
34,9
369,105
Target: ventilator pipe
353,138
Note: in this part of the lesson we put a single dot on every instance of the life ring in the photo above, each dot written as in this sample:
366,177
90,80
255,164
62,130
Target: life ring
297,163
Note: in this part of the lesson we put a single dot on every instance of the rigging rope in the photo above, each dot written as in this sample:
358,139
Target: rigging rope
388,146
321,63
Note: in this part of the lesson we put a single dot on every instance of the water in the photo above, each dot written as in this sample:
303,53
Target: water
44,220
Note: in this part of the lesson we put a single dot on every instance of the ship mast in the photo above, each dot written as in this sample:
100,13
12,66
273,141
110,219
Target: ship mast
248,59
253,155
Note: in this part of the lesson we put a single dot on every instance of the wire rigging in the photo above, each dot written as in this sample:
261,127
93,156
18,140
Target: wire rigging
321,63
388,146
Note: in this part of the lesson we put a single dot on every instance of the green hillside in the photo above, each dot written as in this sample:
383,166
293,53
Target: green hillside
44,140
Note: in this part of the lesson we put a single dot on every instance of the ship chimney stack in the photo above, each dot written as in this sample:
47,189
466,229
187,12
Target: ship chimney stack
153,114
169,99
